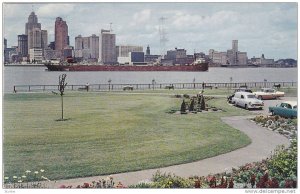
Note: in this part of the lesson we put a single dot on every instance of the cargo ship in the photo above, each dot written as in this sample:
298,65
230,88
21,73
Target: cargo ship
198,65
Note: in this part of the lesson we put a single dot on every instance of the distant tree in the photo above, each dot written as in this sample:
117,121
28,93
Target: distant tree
183,107
202,103
62,86
192,105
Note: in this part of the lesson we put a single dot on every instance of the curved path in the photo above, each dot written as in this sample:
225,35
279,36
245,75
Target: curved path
263,142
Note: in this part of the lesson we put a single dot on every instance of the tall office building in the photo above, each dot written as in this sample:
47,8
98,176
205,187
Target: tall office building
44,35
61,34
87,47
35,40
23,45
235,58
32,23
29,27
107,47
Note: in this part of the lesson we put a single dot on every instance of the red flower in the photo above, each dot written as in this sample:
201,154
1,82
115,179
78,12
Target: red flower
62,186
85,185
252,180
231,183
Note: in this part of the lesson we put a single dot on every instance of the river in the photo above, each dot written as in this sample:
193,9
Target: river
16,75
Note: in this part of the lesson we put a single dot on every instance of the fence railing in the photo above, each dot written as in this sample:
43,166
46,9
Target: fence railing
156,86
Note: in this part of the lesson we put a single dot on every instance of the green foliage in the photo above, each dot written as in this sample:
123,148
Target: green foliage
283,163
170,181
183,107
141,185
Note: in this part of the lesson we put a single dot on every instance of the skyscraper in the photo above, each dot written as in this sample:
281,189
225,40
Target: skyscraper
87,47
32,23
29,26
23,45
44,35
107,47
235,51
61,34
35,40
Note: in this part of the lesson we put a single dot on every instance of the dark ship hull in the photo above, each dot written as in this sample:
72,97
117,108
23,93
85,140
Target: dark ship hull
194,67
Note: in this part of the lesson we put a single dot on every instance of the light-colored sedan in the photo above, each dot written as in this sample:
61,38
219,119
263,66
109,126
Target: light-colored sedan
268,93
247,101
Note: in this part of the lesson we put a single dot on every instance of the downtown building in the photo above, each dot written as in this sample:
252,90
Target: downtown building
61,39
87,48
125,53
107,47
231,57
37,39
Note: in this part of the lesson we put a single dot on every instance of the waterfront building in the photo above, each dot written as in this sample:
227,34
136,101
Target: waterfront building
107,47
87,48
151,58
36,55
261,61
23,45
44,42
29,27
136,58
32,23
61,34
35,40
122,52
177,56
50,54
230,57
67,52
148,50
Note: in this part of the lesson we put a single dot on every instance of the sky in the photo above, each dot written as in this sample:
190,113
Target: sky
260,28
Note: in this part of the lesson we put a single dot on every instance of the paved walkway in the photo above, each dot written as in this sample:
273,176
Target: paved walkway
263,142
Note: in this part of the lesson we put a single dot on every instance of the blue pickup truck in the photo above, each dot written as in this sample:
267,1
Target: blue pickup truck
285,109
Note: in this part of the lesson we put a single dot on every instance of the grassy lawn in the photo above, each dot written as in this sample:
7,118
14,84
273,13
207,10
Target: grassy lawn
109,133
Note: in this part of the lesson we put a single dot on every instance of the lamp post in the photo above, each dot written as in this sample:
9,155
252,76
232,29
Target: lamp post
230,80
194,80
265,82
109,81
153,82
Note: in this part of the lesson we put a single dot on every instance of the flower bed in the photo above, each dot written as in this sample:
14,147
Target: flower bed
279,171
286,127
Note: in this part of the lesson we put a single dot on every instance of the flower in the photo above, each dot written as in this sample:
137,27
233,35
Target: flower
6,178
36,172
45,178
42,170
28,171
19,181
15,177
24,177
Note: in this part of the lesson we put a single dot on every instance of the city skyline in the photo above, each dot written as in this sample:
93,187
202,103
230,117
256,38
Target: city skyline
261,28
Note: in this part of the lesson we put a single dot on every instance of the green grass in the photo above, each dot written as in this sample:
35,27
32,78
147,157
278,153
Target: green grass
109,133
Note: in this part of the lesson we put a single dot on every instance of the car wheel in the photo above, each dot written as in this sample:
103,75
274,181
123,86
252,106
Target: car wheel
272,113
246,107
259,97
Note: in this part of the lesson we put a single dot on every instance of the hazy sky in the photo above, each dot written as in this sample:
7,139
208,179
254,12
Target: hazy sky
269,28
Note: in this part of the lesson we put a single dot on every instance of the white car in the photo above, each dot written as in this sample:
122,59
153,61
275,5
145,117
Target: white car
268,93
247,100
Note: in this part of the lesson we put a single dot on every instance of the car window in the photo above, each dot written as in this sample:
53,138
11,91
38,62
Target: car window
282,105
250,96
288,106
295,107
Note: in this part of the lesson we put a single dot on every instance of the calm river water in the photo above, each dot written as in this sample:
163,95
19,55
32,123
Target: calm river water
15,75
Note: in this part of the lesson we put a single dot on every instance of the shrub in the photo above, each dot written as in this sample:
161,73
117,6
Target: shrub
170,181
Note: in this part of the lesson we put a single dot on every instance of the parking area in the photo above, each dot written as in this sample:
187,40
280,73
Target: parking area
268,103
